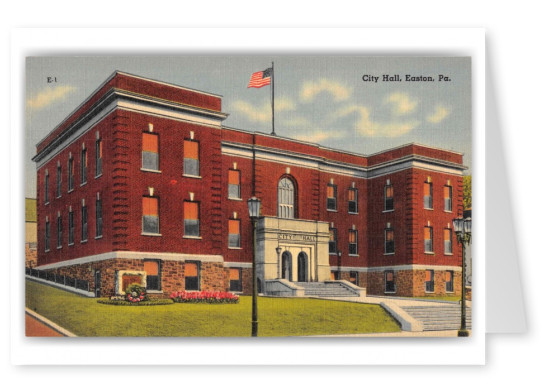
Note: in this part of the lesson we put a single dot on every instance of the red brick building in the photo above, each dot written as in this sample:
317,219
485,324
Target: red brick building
142,182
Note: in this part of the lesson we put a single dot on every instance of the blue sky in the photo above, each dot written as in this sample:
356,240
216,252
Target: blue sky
318,99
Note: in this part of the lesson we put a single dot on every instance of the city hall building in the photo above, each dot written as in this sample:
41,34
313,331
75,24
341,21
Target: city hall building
143,183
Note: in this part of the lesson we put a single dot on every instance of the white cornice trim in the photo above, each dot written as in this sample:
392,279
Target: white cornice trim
349,269
133,255
331,166
243,265
414,267
129,102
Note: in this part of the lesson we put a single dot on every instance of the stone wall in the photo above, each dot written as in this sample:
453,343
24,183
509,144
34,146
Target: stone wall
30,255
214,277
411,283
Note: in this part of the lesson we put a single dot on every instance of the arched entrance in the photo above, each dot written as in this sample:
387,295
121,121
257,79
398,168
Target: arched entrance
302,267
286,266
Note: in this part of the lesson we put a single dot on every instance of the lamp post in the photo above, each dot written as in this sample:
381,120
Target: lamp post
339,254
278,251
462,228
254,213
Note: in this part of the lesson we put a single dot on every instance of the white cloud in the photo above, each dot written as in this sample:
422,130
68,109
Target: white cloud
319,136
311,89
367,127
261,113
402,103
49,96
440,113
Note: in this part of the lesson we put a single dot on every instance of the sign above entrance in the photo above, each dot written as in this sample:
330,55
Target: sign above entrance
297,237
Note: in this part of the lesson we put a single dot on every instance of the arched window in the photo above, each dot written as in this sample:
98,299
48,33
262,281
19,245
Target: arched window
286,199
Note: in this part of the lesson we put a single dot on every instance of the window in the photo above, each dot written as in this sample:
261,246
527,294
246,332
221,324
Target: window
58,182
448,241
192,274
429,281
286,199
354,278
389,197
99,157
332,240
234,233
449,281
427,195
352,200
353,242
71,174
46,188
99,219
331,197
389,241
152,275
234,184
47,236
83,166
84,224
191,158
235,280
71,227
150,215
335,275
150,151
390,283
428,240
191,219
448,198
59,232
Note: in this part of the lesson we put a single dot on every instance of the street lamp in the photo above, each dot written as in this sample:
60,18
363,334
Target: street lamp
254,213
339,254
278,251
462,228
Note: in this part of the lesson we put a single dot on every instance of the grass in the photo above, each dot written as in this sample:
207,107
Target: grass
277,316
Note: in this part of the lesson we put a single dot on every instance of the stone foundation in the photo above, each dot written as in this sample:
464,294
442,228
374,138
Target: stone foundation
411,283
213,275
30,255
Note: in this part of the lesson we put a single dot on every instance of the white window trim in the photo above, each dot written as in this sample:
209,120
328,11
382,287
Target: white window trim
149,170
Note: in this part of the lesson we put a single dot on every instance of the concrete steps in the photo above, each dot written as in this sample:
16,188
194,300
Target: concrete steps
326,289
441,317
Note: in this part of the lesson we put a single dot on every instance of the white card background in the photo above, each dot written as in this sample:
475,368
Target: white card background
517,42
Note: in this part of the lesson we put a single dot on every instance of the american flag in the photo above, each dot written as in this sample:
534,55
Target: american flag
261,79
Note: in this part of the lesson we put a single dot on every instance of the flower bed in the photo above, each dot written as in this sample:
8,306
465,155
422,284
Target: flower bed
121,300
204,297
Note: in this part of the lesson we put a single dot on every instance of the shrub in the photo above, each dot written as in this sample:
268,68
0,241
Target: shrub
136,293
204,297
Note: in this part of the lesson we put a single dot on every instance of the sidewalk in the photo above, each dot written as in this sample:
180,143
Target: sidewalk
38,326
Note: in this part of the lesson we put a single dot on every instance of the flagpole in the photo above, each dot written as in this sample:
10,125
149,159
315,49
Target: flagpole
272,85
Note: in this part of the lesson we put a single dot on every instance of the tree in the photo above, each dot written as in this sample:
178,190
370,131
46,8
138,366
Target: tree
467,192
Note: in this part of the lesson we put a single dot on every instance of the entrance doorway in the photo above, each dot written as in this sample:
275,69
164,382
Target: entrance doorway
286,266
302,267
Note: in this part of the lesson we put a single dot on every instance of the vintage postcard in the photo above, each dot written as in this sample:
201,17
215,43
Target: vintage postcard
239,196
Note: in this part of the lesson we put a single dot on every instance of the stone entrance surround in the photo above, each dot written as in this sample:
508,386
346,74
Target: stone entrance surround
294,236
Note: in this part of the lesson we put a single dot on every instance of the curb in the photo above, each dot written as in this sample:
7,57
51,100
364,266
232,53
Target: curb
49,323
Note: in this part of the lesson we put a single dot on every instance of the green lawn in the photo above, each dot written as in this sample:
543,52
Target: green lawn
277,316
